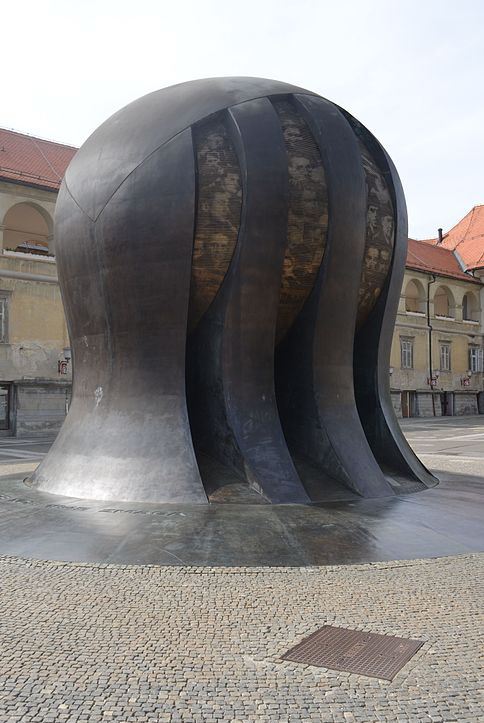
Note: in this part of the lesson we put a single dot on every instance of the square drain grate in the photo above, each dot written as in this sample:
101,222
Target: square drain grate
353,651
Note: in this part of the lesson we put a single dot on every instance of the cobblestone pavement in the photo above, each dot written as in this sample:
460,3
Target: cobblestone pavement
139,643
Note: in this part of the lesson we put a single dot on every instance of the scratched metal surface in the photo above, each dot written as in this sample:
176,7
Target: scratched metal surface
445,520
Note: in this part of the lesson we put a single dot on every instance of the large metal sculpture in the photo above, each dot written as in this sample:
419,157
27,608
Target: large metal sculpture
230,254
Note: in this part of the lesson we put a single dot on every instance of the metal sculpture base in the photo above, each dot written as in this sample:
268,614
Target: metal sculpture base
38,525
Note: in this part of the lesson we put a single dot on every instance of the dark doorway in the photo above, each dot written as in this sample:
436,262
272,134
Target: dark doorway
447,404
480,402
409,404
4,407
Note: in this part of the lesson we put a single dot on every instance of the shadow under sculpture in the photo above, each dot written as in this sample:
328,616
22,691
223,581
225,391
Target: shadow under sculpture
230,254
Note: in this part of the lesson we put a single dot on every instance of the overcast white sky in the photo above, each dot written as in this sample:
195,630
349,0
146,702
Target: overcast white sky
412,71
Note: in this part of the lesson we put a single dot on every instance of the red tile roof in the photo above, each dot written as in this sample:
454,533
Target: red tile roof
33,161
423,256
467,239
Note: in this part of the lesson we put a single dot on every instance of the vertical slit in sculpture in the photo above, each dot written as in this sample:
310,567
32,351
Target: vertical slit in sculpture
307,223
217,220
375,329
231,354
315,361
380,236
217,224
307,231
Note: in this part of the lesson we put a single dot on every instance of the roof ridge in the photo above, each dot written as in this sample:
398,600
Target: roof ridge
18,172
461,275
464,235
38,138
437,259
435,241
420,259
469,215
425,242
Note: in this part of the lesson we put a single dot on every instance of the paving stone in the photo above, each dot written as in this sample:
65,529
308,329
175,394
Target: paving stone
98,643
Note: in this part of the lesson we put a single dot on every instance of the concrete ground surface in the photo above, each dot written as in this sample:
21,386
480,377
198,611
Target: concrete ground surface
106,642
448,444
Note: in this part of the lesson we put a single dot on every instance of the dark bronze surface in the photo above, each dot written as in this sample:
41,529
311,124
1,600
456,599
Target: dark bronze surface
127,429
354,651
445,520
230,256
231,390
315,362
373,342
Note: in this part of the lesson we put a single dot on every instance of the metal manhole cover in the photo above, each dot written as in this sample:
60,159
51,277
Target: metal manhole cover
353,651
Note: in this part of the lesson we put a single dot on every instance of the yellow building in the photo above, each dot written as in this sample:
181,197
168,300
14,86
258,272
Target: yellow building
437,351
34,344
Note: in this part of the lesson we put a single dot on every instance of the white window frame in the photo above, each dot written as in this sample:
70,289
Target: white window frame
445,357
406,353
476,359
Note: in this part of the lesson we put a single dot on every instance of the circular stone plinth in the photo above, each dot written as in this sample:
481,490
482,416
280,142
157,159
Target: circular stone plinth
445,520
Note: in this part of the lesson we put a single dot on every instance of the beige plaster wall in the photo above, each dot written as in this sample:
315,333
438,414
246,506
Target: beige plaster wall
37,332
456,331
40,201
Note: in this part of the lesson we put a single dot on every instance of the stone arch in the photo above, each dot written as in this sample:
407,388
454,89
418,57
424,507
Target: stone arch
444,302
470,307
28,226
414,296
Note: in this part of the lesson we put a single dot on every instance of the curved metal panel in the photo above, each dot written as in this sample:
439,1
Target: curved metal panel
315,364
126,139
127,435
233,408
373,345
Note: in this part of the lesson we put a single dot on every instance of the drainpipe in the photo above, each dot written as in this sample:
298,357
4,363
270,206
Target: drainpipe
429,327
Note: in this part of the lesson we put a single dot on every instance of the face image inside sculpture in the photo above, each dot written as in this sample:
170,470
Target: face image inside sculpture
230,254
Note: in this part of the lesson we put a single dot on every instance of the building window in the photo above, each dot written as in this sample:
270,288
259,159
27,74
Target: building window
444,303
445,363
470,310
406,353
414,297
3,319
476,359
